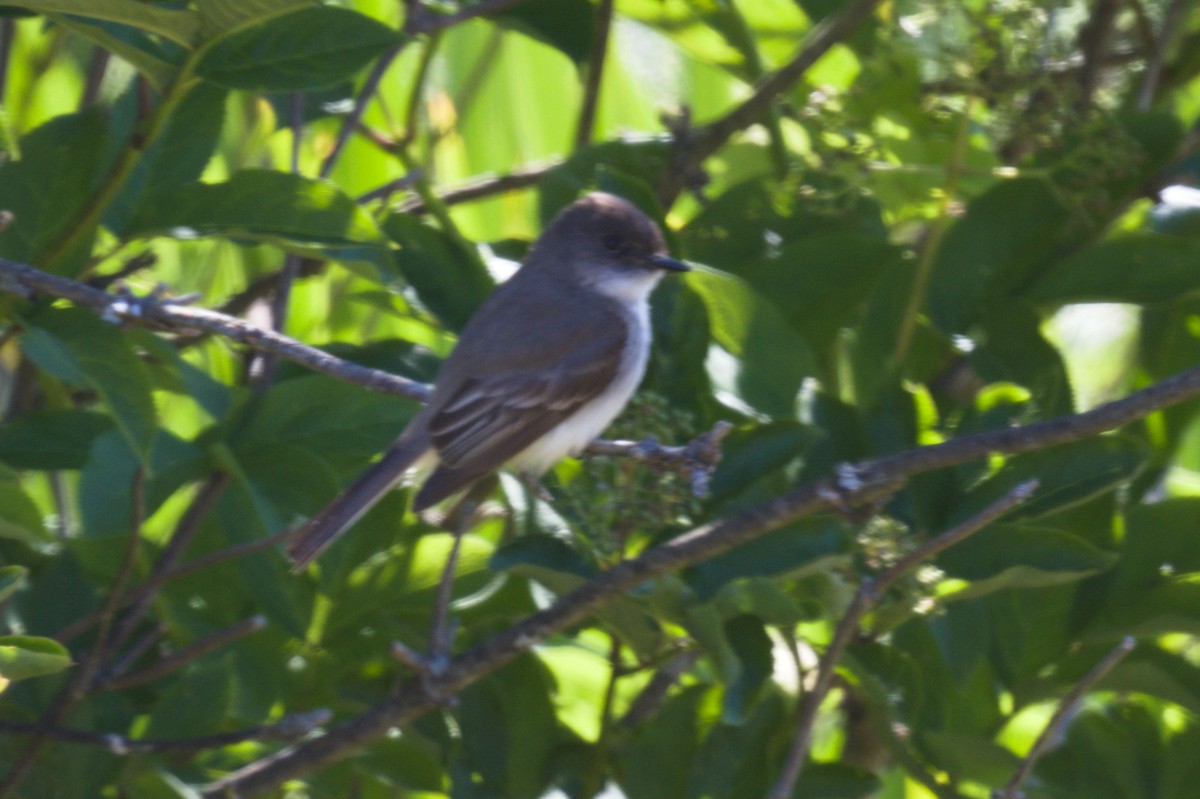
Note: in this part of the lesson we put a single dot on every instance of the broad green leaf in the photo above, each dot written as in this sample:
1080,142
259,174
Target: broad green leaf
450,282
24,656
770,357
20,518
178,25
819,282
659,757
106,481
561,186
177,156
1067,474
342,424
194,702
555,564
12,580
79,348
1007,233
751,453
47,188
1018,556
309,48
146,54
222,16
563,24
798,549
296,213
1134,267
51,439
509,729
750,643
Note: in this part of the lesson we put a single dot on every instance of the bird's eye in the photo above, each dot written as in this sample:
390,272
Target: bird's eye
612,243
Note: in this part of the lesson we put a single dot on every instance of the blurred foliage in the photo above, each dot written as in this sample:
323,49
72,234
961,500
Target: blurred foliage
950,223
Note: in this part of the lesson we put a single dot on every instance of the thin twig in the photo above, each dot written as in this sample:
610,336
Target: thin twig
693,147
188,654
853,486
595,73
81,680
1158,54
421,21
289,728
483,188
365,94
440,637
865,598
25,280
157,581
1062,714
184,532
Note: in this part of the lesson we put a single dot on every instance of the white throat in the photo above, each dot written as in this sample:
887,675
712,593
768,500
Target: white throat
625,285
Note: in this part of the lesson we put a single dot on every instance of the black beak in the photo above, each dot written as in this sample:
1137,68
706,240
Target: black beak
663,261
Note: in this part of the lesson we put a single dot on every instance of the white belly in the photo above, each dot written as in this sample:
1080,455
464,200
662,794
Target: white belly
572,435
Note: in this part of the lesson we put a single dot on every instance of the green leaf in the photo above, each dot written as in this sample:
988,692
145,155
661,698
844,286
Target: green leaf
194,703
176,158
105,484
509,728
551,561
659,757
46,189
566,25
146,54
819,282
222,16
302,215
309,48
798,549
24,656
750,643
1019,556
20,518
1133,267
51,439
12,580
1067,474
178,25
1007,233
79,348
772,359
449,282
562,185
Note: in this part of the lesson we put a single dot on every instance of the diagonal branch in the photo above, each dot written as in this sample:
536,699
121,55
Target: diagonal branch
693,147
857,485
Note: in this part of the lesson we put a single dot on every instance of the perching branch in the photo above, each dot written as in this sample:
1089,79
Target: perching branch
867,596
1062,714
483,187
856,485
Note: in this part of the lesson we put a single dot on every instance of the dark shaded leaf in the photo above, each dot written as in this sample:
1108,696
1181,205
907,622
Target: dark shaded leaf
311,48
51,439
1133,267
301,215
450,282
565,25
79,348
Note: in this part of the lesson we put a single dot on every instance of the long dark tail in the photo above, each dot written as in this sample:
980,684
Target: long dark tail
309,540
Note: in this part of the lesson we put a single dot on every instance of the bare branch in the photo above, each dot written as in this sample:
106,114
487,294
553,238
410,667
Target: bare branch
188,654
865,598
693,147
595,73
365,94
25,280
1158,54
1062,715
484,187
854,486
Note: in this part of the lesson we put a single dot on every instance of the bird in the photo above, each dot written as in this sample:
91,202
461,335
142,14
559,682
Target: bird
543,366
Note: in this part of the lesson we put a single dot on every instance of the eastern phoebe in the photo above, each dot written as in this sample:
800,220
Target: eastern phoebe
548,360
